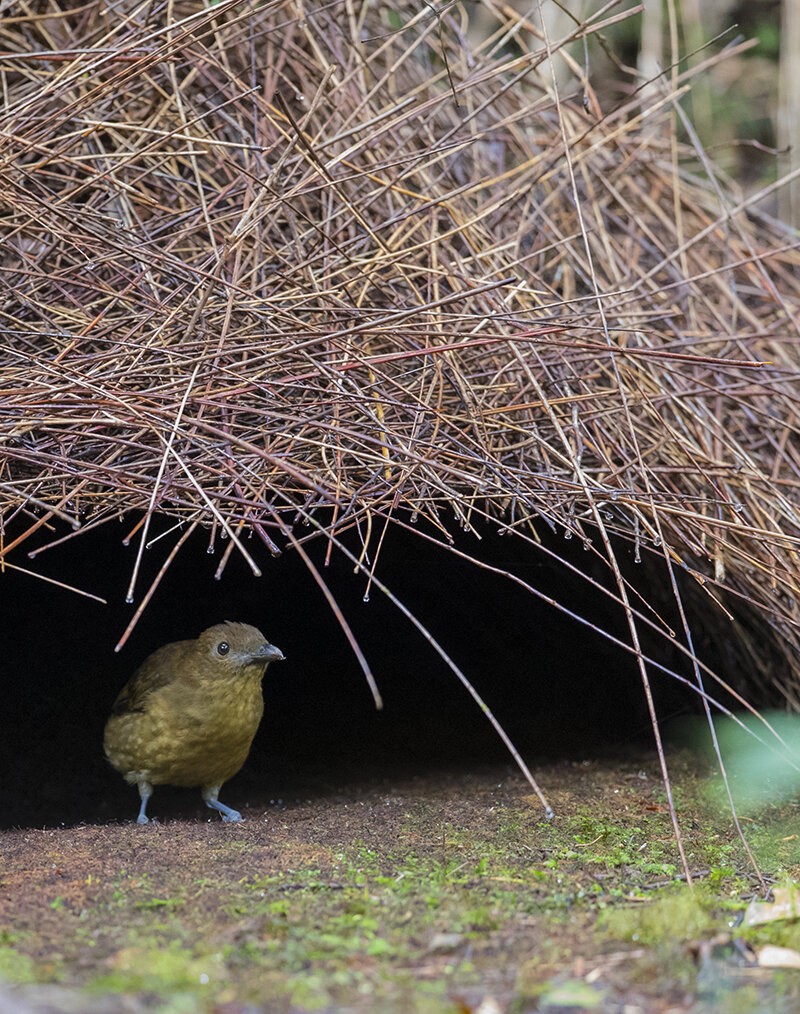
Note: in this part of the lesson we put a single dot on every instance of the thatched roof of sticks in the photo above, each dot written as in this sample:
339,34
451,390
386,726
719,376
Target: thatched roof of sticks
348,262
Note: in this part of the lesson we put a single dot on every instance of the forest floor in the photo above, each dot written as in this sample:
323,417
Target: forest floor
441,893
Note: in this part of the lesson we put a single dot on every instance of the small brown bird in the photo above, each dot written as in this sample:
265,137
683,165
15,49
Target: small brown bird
189,713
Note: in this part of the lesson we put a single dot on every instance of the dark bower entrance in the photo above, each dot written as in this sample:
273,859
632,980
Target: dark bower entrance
559,689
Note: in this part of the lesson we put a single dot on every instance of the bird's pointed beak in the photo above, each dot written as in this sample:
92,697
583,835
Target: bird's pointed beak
268,653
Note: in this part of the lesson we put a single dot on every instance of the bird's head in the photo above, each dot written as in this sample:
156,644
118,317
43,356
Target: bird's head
230,646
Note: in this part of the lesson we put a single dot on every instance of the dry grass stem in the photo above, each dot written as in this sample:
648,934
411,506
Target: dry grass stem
265,263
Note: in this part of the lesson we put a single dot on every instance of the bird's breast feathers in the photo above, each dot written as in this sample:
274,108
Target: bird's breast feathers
197,738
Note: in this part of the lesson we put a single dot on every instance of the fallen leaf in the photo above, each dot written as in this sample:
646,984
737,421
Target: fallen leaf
442,942
785,906
772,956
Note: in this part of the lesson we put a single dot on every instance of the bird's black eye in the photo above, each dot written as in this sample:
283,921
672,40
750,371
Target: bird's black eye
223,647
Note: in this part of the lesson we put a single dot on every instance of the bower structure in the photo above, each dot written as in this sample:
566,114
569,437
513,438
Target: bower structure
292,272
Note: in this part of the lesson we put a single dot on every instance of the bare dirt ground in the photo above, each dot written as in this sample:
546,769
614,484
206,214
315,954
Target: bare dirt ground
447,892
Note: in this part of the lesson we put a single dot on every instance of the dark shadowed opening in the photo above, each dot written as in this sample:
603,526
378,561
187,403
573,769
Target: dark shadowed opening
559,689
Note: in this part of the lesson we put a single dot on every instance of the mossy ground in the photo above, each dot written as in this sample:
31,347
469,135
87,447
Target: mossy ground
430,894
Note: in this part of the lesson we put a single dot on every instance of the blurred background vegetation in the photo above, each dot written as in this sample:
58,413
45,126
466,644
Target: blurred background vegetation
741,57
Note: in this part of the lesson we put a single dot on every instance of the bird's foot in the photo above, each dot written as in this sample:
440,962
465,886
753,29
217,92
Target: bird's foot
145,792
229,815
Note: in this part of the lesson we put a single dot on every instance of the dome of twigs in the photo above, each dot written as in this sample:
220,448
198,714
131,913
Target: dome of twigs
270,262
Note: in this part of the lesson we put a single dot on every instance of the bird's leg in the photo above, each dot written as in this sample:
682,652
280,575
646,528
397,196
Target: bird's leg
210,793
145,792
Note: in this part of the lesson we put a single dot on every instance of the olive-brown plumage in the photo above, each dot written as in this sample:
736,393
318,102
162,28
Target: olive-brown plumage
189,713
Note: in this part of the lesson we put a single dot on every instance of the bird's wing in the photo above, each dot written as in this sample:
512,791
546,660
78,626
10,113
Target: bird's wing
154,673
